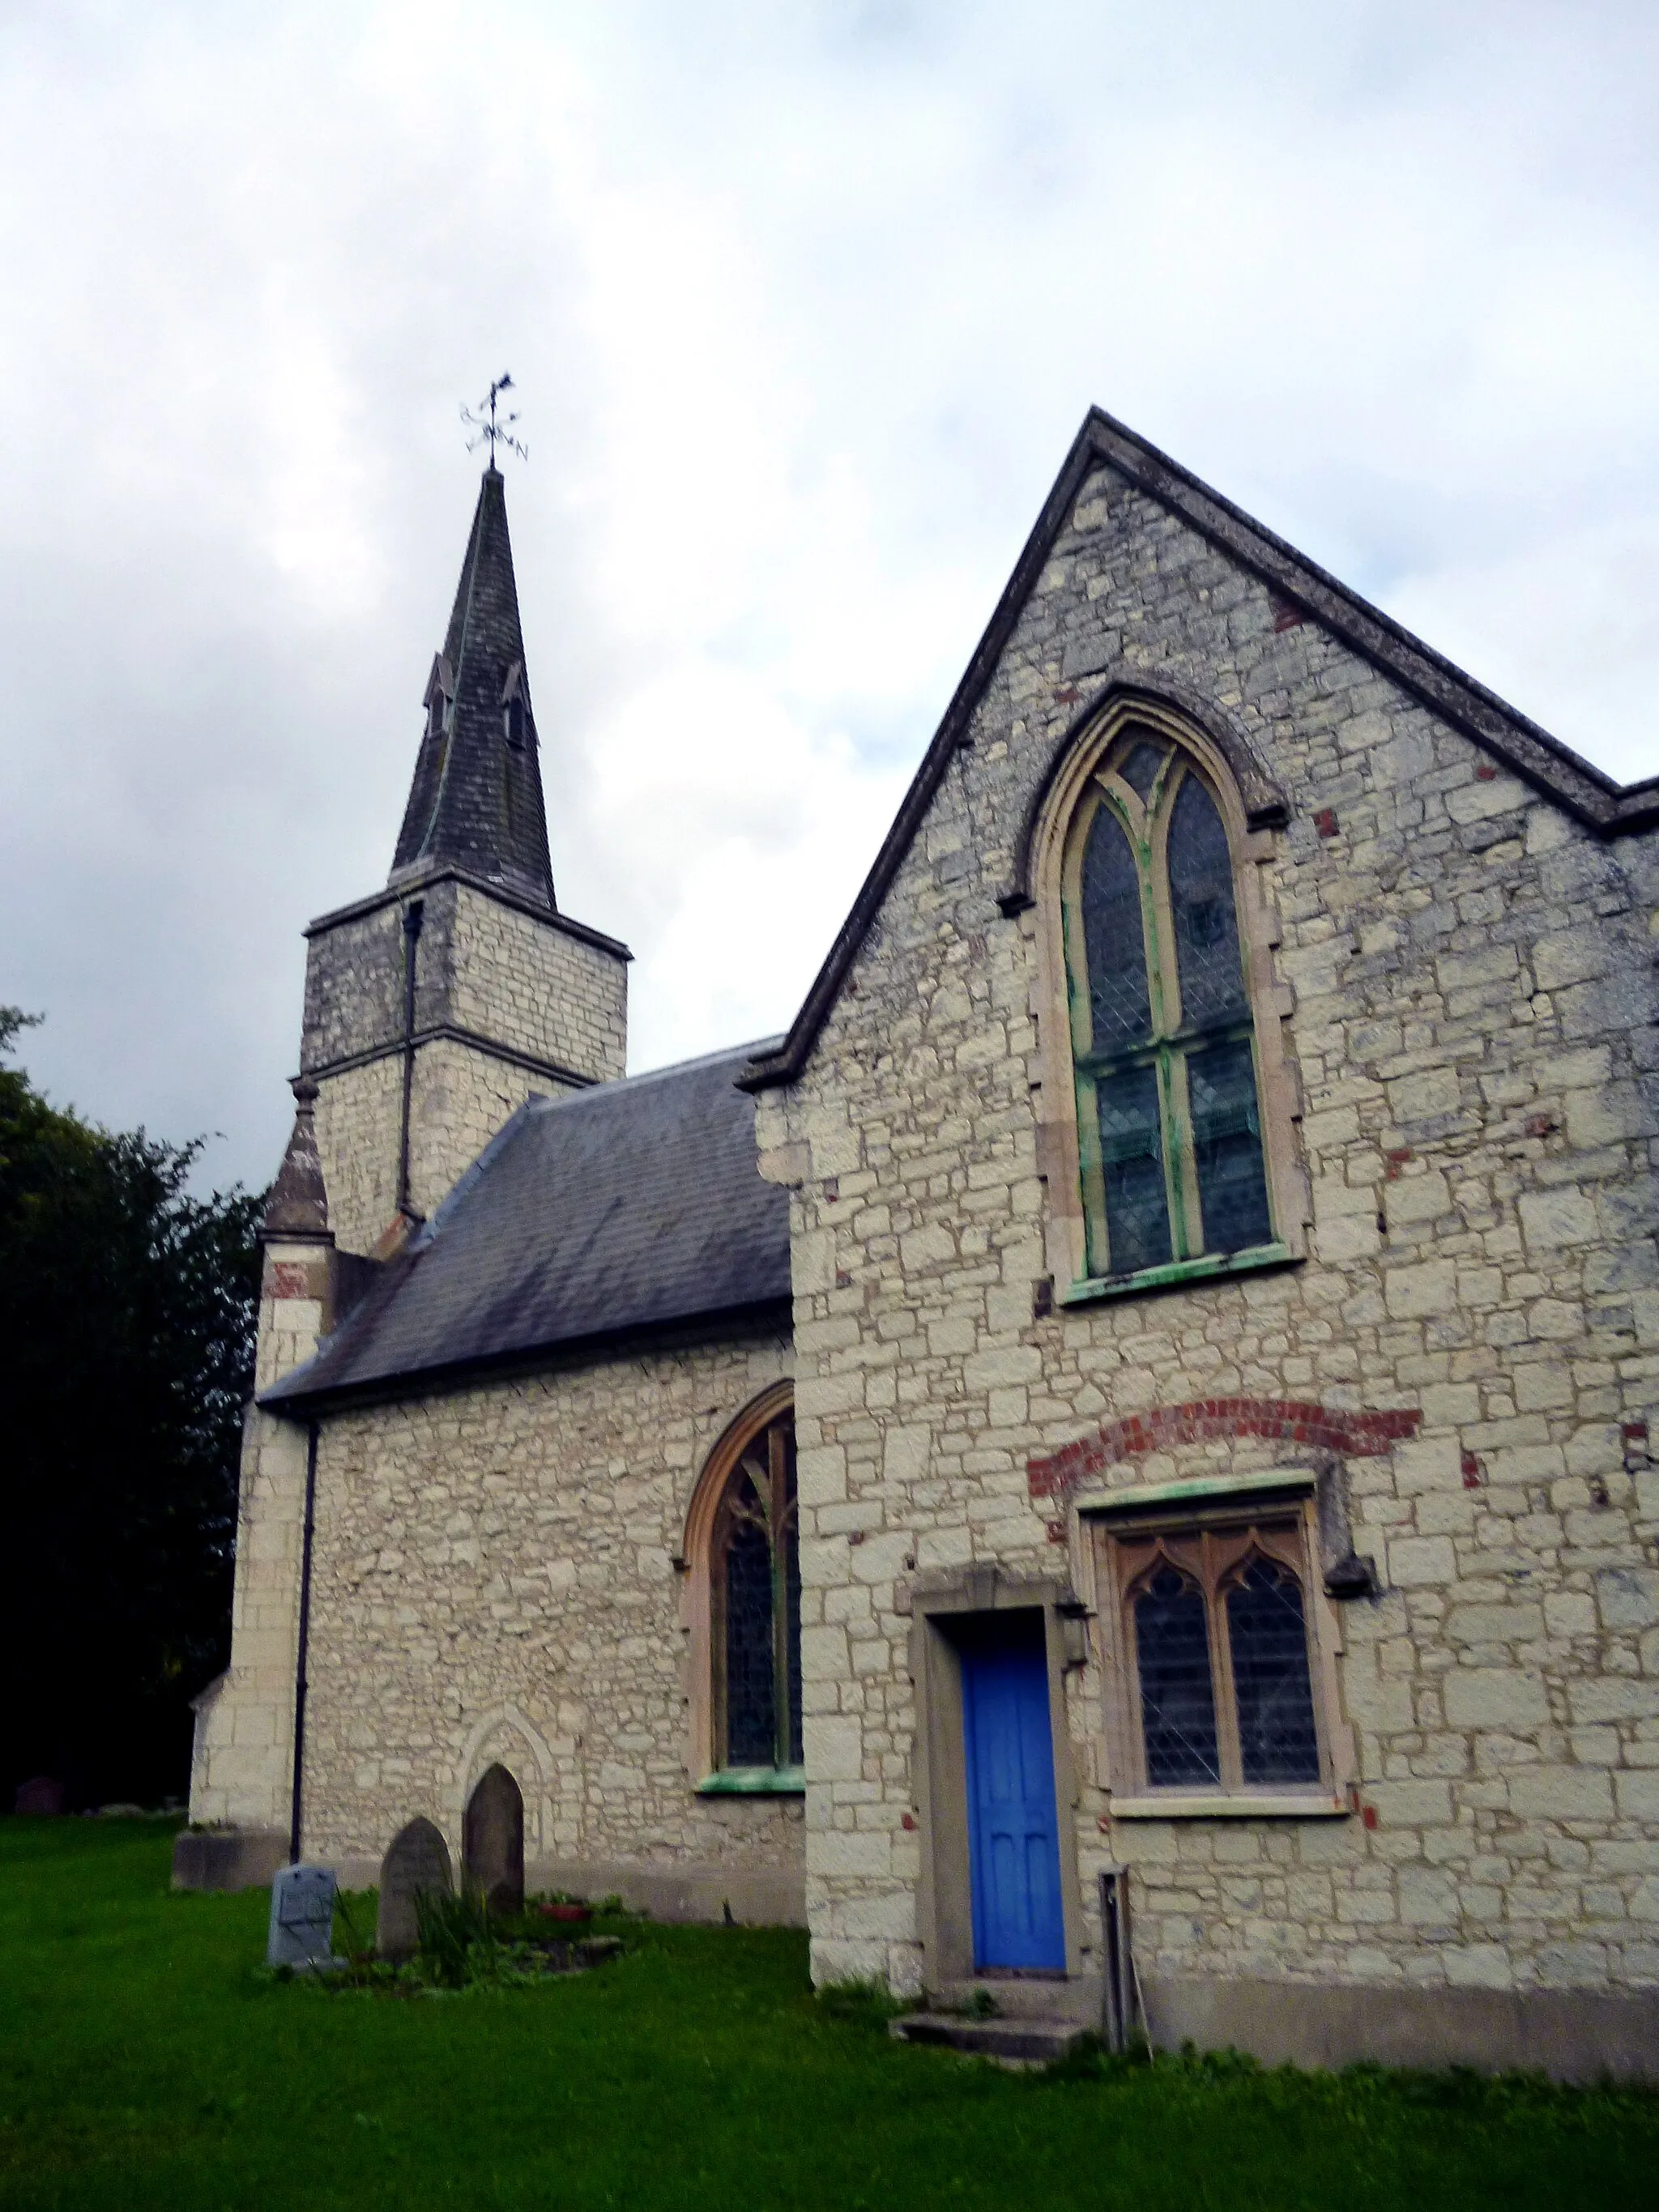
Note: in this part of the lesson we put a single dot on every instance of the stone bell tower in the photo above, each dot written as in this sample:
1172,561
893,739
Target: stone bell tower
436,1006
432,1009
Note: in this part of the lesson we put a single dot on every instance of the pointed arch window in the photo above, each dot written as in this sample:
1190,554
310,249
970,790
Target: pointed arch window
1171,1147
743,1560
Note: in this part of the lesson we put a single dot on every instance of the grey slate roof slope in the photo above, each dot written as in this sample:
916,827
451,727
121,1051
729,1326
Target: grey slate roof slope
631,1207
475,799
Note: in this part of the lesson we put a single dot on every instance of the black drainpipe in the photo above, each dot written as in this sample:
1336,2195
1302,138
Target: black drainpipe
413,915
305,1638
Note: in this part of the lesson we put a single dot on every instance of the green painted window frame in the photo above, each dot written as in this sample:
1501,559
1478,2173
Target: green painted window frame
1172,1041
754,1781
1208,1265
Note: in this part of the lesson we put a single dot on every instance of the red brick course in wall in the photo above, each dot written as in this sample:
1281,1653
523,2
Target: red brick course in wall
1282,1421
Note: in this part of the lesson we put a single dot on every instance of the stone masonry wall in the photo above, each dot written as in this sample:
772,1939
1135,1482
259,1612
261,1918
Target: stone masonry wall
493,1578
553,1005
538,988
1468,979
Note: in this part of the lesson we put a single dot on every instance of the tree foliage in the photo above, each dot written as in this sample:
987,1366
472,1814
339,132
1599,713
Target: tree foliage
127,1310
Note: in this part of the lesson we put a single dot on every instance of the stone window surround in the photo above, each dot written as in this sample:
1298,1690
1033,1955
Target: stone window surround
1186,1507
1060,1160
697,1608
944,1896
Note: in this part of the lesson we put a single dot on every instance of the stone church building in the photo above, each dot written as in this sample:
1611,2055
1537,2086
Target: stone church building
1112,1462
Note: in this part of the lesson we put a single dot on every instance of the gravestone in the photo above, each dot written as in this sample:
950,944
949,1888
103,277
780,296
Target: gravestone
416,1865
41,1793
492,1842
301,1918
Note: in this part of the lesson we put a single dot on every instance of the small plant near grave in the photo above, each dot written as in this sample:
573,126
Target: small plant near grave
457,1942
461,1945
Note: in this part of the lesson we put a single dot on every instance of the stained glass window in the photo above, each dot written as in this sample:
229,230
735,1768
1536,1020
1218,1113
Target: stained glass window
1132,1168
1222,1669
1201,902
1177,1699
750,1710
1170,1110
1232,1182
756,1598
1277,1740
1119,1001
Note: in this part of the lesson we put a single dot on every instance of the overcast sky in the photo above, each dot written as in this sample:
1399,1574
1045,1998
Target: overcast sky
805,304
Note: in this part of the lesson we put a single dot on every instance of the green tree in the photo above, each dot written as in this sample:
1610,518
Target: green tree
127,1310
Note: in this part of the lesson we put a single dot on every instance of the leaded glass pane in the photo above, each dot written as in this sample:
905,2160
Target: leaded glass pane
1177,1699
1232,1182
792,1588
1140,768
750,1730
1115,946
1132,1166
1206,916
1278,1738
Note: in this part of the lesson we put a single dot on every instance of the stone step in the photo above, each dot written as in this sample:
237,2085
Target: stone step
1021,2041
1076,1997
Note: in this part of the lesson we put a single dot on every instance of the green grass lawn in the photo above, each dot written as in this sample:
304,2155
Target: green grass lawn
147,2060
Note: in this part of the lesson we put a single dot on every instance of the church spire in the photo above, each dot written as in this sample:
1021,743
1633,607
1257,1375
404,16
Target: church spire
477,797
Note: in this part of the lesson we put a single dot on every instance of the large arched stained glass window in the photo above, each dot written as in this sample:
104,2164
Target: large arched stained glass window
1169,1112
755,1608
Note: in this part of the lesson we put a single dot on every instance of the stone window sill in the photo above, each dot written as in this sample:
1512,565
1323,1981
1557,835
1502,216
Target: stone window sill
1234,1805
1176,1272
755,1782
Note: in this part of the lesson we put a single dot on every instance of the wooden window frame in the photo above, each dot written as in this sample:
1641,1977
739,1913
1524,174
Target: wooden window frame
1068,1146
1211,1546
708,1527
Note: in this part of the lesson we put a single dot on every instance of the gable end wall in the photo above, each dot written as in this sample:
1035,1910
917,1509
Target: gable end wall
1467,973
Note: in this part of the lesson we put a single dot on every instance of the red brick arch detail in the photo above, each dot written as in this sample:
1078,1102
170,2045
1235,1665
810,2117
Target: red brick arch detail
1280,1420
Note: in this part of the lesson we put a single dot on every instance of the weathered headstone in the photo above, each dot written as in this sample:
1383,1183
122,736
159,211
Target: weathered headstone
492,1843
301,1918
41,1793
416,1865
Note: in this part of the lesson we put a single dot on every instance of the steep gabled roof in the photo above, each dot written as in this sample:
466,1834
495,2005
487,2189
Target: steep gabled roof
477,795
630,1208
1575,785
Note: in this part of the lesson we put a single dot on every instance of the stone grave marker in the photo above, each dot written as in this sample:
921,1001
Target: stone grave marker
493,1842
301,1918
417,1864
41,1793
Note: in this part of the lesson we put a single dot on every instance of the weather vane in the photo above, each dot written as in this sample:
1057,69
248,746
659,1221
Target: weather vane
487,426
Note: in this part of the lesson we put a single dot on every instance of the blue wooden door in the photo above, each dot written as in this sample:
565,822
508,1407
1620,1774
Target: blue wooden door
1013,1836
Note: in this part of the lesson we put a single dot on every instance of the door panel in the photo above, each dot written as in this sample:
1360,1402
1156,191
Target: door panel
1013,1836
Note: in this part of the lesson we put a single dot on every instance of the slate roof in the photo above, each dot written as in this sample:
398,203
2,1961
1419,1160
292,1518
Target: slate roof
626,1208
1580,788
475,799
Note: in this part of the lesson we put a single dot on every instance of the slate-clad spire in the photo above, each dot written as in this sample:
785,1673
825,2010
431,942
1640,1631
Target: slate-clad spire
477,797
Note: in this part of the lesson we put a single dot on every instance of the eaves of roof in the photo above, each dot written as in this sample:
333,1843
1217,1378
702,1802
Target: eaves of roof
299,1403
1575,785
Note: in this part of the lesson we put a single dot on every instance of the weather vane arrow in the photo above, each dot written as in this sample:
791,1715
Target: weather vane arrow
484,419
